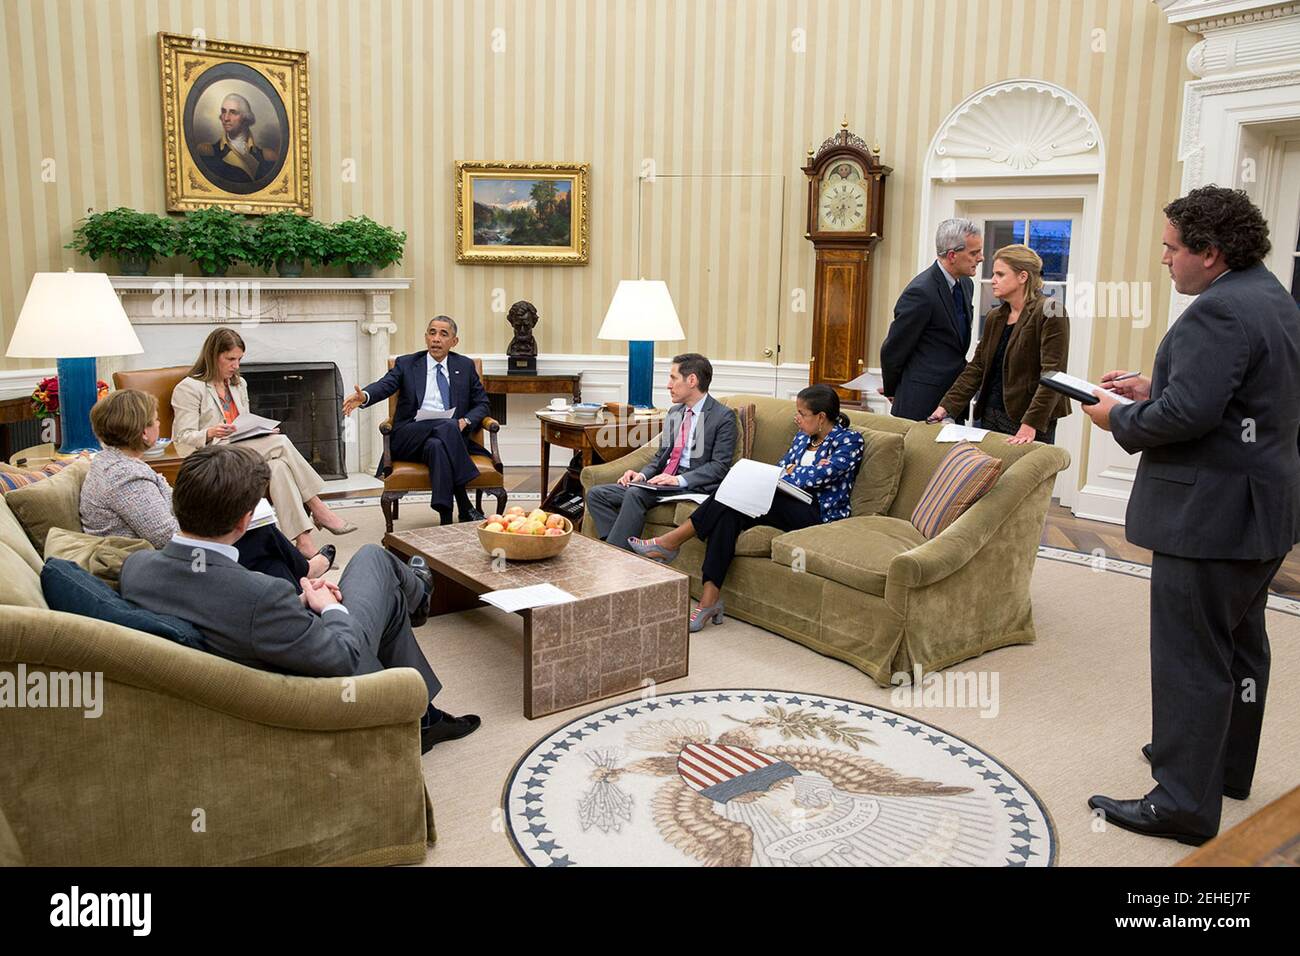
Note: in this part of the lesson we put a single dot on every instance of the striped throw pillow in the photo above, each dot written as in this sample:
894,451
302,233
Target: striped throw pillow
11,478
961,479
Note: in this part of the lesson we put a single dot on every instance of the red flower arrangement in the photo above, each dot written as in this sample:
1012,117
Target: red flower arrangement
45,399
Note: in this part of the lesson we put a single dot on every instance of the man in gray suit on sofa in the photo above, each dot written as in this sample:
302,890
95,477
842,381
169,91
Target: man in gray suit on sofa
695,452
1217,499
261,621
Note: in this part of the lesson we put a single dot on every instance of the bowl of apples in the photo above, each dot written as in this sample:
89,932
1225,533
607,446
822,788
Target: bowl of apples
525,536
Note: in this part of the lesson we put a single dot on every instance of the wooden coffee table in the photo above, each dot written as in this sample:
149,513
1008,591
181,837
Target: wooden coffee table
626,630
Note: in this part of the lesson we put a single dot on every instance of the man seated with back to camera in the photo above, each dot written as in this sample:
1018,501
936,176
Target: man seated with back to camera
259,620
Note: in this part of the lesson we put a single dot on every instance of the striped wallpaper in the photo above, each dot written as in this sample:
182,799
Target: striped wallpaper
720,98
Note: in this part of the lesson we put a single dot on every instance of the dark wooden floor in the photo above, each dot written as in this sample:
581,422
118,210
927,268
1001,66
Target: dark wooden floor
1063,530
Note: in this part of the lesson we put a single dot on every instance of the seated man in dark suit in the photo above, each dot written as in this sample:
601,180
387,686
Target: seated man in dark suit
259,620
695,452
925,348
435,380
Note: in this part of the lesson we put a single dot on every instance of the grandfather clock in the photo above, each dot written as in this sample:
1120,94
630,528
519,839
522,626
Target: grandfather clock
846,201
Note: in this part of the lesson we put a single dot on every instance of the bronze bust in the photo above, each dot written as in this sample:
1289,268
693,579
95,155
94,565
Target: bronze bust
521,353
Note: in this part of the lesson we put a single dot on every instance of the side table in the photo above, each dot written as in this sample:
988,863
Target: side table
605,438
499,386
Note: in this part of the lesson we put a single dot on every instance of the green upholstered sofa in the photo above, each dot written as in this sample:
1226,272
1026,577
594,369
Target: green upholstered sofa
869,589
195,760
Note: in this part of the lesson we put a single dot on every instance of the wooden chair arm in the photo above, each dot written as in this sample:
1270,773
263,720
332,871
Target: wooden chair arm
386,461
492,427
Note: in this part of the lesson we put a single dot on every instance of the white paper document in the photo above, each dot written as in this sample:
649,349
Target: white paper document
952,432
519,599
263,515
686,496
248,425
749,487
866,382
432,414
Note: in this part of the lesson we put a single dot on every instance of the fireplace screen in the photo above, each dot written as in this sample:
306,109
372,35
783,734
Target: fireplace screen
307,400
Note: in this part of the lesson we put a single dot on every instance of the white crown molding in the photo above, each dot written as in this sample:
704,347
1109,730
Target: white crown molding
1018,126
1200,16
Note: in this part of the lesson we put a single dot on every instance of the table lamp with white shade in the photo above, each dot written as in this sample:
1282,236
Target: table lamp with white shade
640,314
75,317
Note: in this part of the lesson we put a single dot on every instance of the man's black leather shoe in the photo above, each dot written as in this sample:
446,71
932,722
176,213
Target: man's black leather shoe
1141,816
420,613
1228,791
473,514
449,728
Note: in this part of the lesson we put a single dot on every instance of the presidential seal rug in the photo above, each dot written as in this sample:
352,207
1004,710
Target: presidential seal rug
767,778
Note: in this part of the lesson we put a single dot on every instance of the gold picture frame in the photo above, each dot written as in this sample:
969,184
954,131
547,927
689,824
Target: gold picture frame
236,127
522,213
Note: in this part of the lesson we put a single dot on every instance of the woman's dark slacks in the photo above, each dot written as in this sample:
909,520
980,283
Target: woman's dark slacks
719,527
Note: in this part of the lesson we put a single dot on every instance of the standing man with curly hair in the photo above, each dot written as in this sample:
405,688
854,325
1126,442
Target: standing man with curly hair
1217,499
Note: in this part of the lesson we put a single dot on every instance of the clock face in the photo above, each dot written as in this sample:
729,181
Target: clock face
842,199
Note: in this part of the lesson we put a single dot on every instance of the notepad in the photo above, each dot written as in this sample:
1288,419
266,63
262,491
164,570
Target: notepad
248,425
520,599
263,515
1079,389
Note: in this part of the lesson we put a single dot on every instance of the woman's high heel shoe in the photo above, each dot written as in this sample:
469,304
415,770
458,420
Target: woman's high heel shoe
348,527
652,549
702,615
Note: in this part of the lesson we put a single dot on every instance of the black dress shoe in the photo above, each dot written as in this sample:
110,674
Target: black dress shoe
420,613
1141,816
449,728
1228,791
473,514
328,551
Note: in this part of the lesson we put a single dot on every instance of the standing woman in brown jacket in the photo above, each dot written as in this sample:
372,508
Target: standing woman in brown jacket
1024,338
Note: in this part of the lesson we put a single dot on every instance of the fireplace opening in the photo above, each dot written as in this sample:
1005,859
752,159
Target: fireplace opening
306,398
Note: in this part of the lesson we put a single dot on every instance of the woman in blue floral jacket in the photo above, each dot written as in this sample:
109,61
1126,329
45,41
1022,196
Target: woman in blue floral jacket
823,460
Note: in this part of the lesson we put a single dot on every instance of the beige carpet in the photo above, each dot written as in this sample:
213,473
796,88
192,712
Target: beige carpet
1074,708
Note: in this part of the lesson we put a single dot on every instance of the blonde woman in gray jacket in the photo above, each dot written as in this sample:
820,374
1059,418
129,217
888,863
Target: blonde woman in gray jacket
207,402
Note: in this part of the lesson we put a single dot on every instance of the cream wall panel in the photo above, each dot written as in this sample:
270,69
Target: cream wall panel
401,89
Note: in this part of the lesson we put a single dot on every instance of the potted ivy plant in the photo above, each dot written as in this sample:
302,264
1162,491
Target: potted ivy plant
215,239
135,238
286,240
365,245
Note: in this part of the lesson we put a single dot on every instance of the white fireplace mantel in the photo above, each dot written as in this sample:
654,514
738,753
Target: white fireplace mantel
342,320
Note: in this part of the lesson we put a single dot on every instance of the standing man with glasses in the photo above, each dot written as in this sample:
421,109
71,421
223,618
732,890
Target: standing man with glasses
925,349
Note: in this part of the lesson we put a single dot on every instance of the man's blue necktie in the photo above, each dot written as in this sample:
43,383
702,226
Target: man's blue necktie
963,316
444,388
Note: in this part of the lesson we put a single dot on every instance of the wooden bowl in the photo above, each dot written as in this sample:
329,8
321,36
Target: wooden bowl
525,547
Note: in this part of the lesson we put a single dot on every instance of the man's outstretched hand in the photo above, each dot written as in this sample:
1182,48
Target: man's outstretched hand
354,401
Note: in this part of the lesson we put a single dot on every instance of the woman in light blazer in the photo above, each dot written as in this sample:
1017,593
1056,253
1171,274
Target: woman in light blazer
122,495
206,403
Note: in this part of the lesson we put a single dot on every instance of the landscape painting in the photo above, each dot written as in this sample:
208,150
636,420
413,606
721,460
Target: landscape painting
521,213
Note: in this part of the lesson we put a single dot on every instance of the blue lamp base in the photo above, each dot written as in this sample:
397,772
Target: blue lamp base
78,389
640,373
